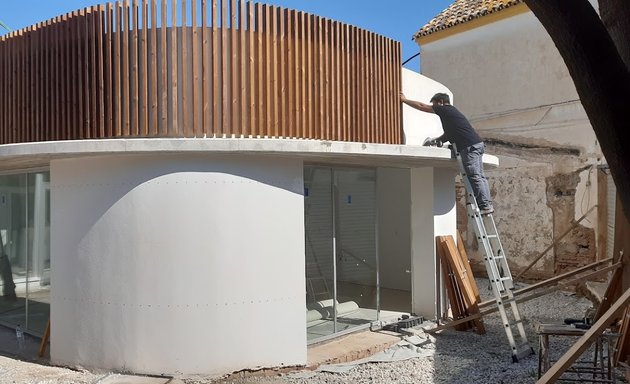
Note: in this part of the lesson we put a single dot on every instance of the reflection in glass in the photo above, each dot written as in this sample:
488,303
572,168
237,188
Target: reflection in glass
340,225
25,250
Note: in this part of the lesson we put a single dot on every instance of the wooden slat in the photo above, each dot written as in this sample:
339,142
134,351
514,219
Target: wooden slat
394,106
397,84
205,69
233,75
225,97
86,73
243,59
143,79
319,79
153,82
282,85
326,78
267,82
353,100
251,38
216,85
260,72
48,66
273,100
303,122
126,96
344,82
163,96
93,71
309,76
338,71
40,134
80,73
99,30
380,92
295,79
186,129
174,87
65,73
363,62
135,96
108,69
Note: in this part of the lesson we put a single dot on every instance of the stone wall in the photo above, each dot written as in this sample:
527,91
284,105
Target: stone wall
535,193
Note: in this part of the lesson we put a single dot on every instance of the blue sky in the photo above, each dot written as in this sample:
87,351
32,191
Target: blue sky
396,19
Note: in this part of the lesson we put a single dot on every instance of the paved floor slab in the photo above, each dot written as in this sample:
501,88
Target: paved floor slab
128,379
351,347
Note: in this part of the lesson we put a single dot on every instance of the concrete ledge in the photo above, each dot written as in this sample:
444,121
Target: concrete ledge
25,155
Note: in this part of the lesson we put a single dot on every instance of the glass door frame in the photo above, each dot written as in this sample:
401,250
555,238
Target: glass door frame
334,195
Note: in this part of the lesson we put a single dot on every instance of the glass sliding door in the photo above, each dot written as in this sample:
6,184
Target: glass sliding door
25,250
318,216
341,257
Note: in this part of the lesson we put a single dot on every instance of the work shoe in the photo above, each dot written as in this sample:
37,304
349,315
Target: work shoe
486,211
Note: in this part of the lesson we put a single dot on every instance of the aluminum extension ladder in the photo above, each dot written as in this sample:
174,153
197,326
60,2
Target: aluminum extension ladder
498,269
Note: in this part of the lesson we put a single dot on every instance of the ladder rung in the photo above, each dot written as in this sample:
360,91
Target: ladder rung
508,301
514,323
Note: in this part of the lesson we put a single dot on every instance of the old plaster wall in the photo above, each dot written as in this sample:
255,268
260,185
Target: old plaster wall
511,82
538,196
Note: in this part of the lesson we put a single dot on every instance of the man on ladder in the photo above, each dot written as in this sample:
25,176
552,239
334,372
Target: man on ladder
469,149
459,131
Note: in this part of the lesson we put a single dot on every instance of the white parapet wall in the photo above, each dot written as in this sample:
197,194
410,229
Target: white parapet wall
170,264
418,125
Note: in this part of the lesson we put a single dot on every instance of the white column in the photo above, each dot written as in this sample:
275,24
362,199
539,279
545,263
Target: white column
423,265
444,220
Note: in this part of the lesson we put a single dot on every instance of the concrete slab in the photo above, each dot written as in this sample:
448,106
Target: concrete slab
128,379
351,347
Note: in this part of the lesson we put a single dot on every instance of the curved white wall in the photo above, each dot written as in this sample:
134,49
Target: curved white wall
167,264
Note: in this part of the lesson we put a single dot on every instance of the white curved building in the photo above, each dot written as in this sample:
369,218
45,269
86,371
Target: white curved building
172,255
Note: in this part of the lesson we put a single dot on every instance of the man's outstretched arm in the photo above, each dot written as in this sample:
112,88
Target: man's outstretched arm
416,104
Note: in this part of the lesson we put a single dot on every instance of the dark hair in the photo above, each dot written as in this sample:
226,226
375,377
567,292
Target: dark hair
443,97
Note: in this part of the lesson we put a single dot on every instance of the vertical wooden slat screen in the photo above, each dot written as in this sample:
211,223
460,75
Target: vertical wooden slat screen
198,68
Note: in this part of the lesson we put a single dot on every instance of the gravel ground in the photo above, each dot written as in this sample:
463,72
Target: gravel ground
460,357
455,357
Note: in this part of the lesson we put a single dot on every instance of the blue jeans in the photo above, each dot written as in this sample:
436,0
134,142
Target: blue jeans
473,165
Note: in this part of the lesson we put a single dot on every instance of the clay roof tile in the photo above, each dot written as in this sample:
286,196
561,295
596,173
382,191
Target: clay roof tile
462,11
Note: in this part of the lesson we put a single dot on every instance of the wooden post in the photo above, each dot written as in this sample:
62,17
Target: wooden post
44,343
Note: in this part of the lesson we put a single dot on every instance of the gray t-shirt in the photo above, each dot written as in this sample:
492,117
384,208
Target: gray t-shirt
457,128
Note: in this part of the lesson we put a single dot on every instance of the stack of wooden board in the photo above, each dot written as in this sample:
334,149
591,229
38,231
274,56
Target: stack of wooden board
460,283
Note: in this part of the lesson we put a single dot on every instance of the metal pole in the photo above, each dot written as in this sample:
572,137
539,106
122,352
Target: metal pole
376,250
333,186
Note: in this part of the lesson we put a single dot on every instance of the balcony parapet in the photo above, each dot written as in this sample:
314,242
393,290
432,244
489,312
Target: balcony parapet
193,69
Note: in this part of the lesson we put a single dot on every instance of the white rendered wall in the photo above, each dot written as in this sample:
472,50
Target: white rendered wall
177,264
509,79
418,125
444,220
423,262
